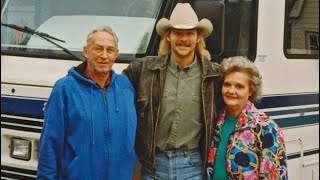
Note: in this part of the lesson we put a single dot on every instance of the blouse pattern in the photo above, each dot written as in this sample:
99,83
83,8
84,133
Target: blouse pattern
255,149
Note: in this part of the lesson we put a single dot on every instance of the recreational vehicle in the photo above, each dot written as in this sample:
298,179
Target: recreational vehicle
42,39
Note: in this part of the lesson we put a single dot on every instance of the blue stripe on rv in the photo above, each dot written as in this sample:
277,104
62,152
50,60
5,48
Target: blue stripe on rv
22,107
288,100
293,111
297,121
33,108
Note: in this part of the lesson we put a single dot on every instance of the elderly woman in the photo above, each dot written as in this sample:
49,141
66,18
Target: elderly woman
246,145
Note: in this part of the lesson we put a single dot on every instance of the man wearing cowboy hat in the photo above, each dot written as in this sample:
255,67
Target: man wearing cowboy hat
176,99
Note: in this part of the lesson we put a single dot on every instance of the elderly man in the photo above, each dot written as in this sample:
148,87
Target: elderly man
90,118
176,94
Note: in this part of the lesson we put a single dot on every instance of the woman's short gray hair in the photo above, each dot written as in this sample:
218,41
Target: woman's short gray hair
103,29
243,64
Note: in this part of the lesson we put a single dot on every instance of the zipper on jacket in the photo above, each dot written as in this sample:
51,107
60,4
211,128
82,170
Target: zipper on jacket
107,128
91,140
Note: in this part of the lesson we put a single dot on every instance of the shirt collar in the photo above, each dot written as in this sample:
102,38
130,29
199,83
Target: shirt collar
190,69
94,79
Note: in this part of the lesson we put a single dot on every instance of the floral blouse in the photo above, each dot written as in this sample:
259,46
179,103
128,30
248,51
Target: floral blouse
255,150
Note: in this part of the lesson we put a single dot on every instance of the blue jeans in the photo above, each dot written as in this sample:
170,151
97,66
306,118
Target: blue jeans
176,165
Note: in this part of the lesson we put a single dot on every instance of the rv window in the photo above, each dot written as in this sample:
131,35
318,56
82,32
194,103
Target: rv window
132,20
234,23
302,29
214,11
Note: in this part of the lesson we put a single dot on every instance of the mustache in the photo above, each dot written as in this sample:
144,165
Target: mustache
181,43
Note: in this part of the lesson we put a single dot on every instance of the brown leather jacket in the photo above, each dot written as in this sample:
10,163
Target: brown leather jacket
148,76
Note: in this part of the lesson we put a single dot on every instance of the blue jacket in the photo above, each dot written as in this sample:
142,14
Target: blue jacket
88,133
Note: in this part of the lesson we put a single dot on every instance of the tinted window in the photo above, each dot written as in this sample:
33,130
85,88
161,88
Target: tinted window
71,20
302,29
234,24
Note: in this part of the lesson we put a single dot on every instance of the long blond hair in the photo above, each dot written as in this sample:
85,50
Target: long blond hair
165,47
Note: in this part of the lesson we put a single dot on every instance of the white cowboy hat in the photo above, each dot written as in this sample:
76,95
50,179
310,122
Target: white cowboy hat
184,17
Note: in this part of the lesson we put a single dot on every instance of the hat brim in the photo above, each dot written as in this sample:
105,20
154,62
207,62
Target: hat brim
205,26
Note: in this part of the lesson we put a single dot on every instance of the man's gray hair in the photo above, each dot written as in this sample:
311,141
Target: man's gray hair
103,29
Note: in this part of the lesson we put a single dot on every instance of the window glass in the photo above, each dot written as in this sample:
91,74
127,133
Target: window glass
71,20
241,20
313,41
234,24
302,28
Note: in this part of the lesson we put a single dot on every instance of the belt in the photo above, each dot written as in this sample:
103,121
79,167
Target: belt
177,151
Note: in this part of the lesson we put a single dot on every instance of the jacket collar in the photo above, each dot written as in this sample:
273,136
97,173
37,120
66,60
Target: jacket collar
159,63
247,119
208,69
81,70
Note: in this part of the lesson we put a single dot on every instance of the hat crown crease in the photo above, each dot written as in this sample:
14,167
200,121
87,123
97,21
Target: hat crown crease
183,16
